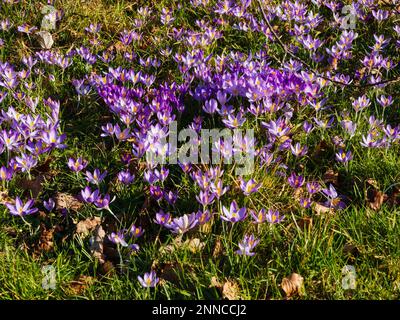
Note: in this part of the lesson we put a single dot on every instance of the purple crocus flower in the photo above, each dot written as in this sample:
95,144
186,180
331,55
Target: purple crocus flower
334,200
298,150
96,177
183,224
136,231
89,196
247,245
250,186
126,177
313,187
118,238
296,181
305,202
21,209
52,139
369,141
77,165
273,216
49,204
25,28
26,162
233,214
210,106
149,280
170,196
205,198
6,173
203,216
156,192
102,203
162,218
218,189
343,157
260,216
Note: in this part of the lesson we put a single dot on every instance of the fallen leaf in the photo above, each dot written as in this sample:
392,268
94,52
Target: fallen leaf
322,209
218,248
85,226
298,193
230,290
45,39
194,245
34,186
215,283
170,272
4,198
78,286
394,197
107,268
373,195
292,285
67,201
331,176
46,242
350,250
305,222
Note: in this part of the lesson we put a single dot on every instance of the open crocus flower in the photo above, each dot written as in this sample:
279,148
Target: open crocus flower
96,177
296,181
136,231
250,186
21,209
334,200
183,224
344,157
247,245
77,165
149,280
88,195
162,218
273,216
233,214
118,238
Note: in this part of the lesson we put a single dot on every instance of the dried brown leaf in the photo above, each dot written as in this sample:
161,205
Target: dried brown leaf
331,176
194,245
350,250
305,223
322,209
293,285
79,286
218,248
67,201
373,196
46,241
34,187
85,226
215,283
230,290
4,198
